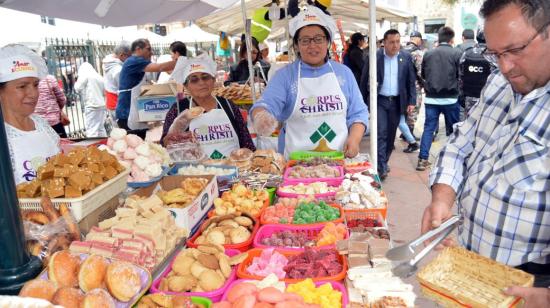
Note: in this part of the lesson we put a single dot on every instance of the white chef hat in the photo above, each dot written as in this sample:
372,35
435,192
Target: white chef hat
18,61
312,15
187,66
263,45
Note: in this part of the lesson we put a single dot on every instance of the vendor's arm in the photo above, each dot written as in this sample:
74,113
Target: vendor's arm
160,67
278,98
169,119
245,141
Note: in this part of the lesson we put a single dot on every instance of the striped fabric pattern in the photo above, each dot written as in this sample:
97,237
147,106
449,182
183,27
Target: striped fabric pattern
498,162
50,100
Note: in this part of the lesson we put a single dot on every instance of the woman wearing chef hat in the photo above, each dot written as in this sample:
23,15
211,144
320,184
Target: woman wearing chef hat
31,139
218,125
317,100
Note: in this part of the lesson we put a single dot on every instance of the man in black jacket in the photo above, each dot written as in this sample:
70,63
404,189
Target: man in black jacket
396,93
440,68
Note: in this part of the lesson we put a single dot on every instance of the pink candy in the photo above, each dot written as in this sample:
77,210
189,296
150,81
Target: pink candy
269,262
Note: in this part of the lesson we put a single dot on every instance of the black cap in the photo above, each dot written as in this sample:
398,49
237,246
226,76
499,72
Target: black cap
416,34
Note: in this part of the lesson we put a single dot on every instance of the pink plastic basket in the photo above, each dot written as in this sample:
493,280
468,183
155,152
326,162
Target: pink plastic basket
215,295
266,231
333,181
335,285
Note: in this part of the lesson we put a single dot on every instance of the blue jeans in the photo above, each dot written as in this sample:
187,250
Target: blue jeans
451,114
404,128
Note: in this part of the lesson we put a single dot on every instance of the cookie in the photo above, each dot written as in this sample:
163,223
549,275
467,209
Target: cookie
209,261
210,280
182,283
238,258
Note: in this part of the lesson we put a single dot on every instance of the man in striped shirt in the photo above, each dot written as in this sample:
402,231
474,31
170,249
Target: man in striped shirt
496,165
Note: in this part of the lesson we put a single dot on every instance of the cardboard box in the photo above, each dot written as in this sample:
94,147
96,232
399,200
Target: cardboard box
190,216
103,212
155,101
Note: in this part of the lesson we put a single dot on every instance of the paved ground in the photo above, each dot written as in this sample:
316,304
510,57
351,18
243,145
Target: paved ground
408,194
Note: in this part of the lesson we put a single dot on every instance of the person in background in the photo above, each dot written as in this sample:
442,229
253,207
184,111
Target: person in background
396,93
51,101
317,100
89,86
495,167
221,128
264,51
239,72
31,139
112,65
178,49
354,57
440,72
468,40
473,74
132,77
416,48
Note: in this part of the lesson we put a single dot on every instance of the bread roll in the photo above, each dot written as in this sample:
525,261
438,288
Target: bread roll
63,269
36,217
122,280
92,273
68,297
98,298
38,288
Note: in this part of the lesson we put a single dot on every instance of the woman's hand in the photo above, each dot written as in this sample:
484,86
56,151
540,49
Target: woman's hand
264,122
351,148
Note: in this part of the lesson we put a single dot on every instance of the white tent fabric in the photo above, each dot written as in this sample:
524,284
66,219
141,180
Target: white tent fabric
191,34
129,34
353,11
121,12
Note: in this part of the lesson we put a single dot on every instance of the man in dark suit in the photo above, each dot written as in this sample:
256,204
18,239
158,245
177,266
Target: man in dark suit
396,93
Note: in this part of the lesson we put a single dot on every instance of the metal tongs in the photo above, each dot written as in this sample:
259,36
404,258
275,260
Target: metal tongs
407,252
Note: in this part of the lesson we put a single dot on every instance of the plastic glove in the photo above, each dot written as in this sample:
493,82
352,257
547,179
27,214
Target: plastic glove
264,123
181,123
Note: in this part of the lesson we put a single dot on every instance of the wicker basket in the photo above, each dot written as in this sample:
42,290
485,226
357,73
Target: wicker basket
460,278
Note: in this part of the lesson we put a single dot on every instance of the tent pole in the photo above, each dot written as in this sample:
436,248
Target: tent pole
372,82
248,41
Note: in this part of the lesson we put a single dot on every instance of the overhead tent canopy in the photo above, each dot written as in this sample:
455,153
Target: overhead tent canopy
350,11
120,12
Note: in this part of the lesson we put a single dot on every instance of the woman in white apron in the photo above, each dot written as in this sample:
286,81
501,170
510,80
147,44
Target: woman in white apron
31,139
220,129
317,100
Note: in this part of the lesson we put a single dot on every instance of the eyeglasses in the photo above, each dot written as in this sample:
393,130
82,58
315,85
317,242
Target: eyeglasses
305,41
195,79
493,56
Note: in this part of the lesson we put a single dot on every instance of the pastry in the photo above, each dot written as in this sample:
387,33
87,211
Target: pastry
182,283
38,288
36,217
240,155
182,264
74,231
122,280
98,298
63,269
211,280
49,209
92,273
195,112
68,297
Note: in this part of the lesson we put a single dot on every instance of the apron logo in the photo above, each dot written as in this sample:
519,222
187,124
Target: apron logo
216,155
196,67
325,103
323,134
308,17
30,172
213,132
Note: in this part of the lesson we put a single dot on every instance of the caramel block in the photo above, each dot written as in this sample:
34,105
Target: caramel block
72,192
80,180
22,190
93,167
359,261
33,188
60,160
109,173
356,247
97,179
378,248
53,188
93,155
77,155
45,172
119,168
70,169
61,172
106,158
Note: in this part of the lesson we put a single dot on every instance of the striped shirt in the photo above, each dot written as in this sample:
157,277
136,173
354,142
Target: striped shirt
50,100
498,162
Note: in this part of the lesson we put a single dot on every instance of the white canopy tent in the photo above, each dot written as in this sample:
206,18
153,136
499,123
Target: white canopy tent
127,34
120,12
191,34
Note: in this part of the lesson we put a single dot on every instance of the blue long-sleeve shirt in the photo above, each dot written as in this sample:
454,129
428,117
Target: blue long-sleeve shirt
390,84
279,96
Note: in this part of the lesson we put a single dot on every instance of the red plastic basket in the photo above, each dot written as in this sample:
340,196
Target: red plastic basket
364,214
215,295
212,212
311,233
341,219
335,285
332,181
242,247
256,252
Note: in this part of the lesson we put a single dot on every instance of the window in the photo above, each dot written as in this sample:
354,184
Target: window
433,25
47,20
